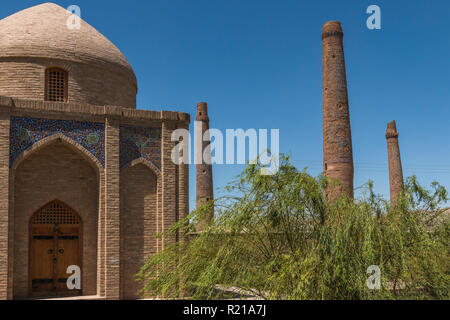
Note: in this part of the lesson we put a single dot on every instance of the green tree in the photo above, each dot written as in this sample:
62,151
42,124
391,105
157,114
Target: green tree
277,237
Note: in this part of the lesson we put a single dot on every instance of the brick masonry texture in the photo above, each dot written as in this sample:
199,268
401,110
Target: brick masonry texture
25,78
112,210
337,138
5,221
395,162
170,194
139,210
204,177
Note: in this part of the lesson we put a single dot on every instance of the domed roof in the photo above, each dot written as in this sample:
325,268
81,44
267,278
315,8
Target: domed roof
42,31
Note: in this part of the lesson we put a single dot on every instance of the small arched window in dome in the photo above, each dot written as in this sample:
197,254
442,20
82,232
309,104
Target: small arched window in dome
56,84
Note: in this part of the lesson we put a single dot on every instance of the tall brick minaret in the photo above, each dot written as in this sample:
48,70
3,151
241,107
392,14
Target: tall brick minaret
204,170
395,163
337,137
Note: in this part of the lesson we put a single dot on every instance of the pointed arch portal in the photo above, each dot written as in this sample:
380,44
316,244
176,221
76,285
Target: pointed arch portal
63,175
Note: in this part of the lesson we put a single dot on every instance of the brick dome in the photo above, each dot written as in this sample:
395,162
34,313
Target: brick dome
39,37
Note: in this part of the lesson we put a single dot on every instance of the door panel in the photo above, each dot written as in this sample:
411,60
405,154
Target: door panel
54,246
67,255
42,255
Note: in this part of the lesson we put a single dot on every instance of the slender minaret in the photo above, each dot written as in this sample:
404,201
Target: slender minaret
395,163
337,137
204,168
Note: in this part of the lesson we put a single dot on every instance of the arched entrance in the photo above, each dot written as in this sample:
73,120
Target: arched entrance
139,203
55,244
57,167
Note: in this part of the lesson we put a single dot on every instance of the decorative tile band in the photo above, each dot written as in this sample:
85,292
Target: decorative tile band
25,132
137,142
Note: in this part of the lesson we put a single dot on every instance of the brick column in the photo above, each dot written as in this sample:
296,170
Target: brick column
337,137
112,209
168,177
395,162
204,175
101,236
183,184
4,203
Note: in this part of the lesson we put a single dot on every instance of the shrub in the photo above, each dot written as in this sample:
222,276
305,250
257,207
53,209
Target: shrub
278,237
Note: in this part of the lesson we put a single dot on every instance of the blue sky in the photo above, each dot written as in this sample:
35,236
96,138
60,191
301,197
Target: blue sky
258,64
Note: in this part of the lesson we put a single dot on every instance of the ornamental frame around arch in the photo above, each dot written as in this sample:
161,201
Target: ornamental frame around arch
54,139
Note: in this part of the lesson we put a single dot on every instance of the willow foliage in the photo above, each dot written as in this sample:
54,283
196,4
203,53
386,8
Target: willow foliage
279,238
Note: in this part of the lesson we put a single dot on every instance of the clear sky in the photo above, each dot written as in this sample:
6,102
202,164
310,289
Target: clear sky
258,64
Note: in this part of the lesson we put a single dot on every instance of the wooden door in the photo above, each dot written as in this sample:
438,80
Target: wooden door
54,246
42,255
67,255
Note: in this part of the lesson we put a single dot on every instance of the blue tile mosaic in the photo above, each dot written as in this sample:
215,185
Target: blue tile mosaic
137,142
24,132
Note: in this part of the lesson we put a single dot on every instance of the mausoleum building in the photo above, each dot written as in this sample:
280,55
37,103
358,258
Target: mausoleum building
87,179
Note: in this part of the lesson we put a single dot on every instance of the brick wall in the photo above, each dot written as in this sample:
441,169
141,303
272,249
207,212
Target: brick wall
139,206
4,204
25,78
183,185
112,209
169,182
